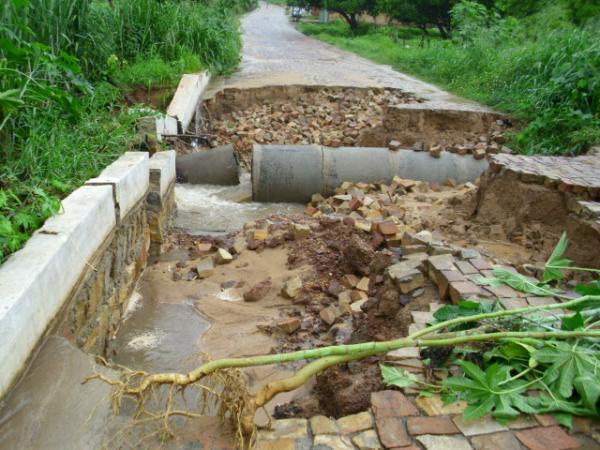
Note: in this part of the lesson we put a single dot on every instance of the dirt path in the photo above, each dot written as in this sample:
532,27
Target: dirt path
275,53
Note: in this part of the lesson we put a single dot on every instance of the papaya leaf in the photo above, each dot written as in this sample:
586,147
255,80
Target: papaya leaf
517,281
592,288
566,364
553,270
397,376
491,390
570,323
588,387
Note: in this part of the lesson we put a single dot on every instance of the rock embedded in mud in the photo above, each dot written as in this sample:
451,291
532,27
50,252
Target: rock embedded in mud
289,326
223,256
206,267
409,280
239,245
363,284
300,231
357,295
258,291
387,228
260,234
204,247
394,145
358,254
292,287
330,314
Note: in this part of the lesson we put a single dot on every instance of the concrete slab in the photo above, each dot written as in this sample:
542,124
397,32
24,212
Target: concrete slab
186,98
165,126
162,170
129,176
36,280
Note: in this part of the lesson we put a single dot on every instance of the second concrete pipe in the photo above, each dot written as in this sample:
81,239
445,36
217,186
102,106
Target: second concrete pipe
292,173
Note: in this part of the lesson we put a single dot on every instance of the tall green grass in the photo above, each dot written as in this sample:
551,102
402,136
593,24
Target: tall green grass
542,70
60,121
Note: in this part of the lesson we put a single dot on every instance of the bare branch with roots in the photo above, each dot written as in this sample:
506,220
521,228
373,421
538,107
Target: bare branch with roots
239,406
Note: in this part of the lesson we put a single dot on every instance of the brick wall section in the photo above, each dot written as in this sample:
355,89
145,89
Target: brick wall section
77,272
101,302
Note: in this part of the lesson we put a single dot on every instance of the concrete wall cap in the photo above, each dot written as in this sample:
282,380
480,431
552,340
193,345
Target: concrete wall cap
163,164
37,280
129,176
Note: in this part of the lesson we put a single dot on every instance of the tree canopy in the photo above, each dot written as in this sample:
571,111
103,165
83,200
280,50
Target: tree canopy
422,13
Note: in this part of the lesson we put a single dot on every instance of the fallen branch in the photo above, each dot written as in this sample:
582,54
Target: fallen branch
138,384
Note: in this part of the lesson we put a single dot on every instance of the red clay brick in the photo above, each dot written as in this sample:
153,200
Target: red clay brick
431,425
466,268
392,404
480,264
392,432
547,438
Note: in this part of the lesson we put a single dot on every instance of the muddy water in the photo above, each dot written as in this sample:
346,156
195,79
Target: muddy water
205,209
169,327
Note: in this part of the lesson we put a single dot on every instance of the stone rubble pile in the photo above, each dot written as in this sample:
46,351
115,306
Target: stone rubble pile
331,117
488,144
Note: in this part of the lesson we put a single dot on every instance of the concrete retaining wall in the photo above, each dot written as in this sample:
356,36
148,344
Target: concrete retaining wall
85,260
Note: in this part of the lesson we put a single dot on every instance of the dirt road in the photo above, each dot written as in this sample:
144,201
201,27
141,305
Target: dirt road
275,53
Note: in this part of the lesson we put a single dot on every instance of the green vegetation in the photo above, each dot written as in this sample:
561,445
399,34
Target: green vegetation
500,377
540,67
64,68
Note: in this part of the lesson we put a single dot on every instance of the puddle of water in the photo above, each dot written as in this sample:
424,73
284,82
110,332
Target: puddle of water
161,337
207,208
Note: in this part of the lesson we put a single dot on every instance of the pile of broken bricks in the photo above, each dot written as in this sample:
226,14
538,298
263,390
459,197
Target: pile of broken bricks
485,145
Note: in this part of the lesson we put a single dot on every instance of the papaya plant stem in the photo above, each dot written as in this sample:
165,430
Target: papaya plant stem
503,313
581,269
358,351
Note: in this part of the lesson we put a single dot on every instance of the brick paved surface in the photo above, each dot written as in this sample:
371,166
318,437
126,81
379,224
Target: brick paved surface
579,175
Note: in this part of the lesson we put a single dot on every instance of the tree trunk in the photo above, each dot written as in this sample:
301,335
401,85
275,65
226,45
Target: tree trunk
444,31
350,19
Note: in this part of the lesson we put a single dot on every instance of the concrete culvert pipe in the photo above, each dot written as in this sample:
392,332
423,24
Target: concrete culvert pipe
214,166
292,173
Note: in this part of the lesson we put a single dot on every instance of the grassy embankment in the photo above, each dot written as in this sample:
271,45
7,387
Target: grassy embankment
541,69
65,66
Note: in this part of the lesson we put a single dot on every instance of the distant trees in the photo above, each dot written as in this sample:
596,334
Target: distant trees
350,10
425,14
421,13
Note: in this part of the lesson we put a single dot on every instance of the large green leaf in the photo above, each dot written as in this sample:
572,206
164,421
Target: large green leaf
566,364
490,390
553,270
588,388
516,281
397,376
